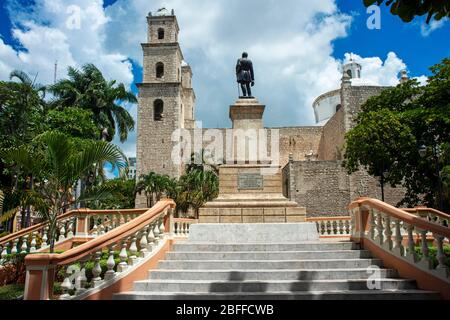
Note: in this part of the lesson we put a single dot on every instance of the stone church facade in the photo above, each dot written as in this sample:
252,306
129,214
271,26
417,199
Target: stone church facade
311,156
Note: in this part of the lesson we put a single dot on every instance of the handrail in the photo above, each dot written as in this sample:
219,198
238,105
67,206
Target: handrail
330,218
38,226
65,216
402,215
435,212
105,240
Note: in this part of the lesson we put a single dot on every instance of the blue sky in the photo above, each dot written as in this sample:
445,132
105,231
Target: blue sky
297,47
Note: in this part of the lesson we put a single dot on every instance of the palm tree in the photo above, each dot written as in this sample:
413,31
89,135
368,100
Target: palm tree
198,187
26,80
57,163
88,89
154,186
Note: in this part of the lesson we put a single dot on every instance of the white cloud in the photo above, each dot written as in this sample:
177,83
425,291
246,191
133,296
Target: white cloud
291,46
46,37
427,29
377,71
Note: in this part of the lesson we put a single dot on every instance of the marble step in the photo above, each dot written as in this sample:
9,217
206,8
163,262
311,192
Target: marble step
266,264
189,286
261,255
269,296
315,246
249,275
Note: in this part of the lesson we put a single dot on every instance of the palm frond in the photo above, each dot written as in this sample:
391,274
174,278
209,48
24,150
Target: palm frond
22,76
8,215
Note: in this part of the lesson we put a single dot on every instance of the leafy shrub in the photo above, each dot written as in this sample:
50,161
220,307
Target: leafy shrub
12,292
433,255
14,269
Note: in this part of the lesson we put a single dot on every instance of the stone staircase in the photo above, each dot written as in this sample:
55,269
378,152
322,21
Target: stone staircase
284,270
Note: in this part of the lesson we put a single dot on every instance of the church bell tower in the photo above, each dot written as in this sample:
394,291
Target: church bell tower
166,99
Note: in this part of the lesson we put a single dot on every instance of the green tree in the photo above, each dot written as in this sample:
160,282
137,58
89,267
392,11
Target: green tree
74,122
122,194
392,127
197,188
407,10
154,187
57,164
88,89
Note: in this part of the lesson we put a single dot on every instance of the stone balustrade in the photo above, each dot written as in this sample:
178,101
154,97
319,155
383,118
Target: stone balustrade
82,223
131,241
392,234
181,227
332,227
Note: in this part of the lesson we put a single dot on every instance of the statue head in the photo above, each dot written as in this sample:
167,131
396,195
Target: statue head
245,55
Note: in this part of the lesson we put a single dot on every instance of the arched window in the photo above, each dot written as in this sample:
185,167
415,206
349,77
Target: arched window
160,33
158,110
338,107
349,72
159,70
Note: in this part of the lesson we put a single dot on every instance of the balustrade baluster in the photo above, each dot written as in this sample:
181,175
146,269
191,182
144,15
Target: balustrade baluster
95,232
143,244
372,225
110,264
102,229
14,248
123,255
81,279
97,270
45,238
150,238
4,252
399,250
426,260
380,229
348,227
133,251
66,285
387,244
322,228
162,229
175,228
70,229
24,247
411,254
62,232
442,268
188,229
156,233
33,242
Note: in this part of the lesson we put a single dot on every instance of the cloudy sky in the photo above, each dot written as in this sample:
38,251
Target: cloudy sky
297,47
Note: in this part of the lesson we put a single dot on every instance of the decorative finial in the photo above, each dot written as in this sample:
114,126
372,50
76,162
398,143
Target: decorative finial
173,12
149,13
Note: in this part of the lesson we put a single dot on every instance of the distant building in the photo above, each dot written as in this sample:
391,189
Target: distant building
132,168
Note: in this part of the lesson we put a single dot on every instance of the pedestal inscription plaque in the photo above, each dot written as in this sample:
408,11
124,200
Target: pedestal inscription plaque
250,181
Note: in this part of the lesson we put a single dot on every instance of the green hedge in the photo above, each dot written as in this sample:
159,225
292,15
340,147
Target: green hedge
433,254
12,292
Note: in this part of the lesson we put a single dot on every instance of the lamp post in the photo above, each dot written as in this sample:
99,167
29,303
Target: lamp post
423,150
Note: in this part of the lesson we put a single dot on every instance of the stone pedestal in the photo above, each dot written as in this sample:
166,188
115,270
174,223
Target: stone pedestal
250,192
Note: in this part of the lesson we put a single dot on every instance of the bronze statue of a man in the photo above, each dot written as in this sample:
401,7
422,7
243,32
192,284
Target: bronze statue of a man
245,75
